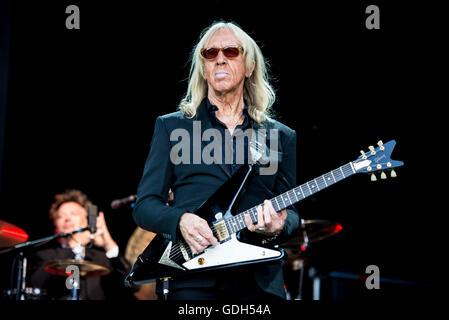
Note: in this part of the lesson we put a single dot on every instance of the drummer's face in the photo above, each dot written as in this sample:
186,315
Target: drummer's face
71,216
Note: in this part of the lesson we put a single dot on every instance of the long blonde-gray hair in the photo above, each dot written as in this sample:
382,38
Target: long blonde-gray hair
257,89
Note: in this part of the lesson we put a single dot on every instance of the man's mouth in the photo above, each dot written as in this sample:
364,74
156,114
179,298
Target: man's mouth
221,75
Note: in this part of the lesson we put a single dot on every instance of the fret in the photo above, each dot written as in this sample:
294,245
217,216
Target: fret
276,199
238,219
234,224
313,188
234,228
242,221
324,180
250,213
283,202
310,190
329,178
287,198
333,177
317,184
229,226
299,192
349,169
254,215
337,175
352,167
304,193
342,172
296,194
288,194
275,206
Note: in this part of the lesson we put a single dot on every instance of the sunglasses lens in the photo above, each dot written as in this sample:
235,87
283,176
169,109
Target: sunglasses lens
212,53
209,53
231,52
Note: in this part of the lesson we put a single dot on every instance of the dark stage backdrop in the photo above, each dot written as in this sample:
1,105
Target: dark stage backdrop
82,104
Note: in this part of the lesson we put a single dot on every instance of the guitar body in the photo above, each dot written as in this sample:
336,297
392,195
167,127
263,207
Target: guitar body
163,258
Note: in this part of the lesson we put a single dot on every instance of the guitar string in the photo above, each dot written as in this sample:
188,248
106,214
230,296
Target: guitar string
177,252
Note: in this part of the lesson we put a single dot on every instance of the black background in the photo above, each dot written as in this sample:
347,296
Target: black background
82,105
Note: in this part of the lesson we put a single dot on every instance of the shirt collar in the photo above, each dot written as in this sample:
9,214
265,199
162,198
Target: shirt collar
211,107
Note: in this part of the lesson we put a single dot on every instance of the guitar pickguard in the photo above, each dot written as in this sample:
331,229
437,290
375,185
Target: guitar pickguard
230,252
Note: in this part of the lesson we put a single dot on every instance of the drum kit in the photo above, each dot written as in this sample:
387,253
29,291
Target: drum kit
311,231
13,238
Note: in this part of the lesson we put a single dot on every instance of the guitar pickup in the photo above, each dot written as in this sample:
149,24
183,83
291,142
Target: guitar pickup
184,252
222,230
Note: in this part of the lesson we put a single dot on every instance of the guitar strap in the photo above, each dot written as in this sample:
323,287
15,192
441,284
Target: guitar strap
262,153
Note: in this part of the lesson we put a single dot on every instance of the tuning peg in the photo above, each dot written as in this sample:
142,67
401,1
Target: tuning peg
371,148
393,173
373,177
363,154
383,176
381,145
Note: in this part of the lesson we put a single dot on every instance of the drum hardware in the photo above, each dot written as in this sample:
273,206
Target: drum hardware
136,244
311,231
30,293
14,238
87,269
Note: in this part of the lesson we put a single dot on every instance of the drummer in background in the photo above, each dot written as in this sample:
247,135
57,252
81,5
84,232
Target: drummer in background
69,213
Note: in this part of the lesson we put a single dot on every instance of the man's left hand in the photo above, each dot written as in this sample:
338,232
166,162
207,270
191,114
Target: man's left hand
269,222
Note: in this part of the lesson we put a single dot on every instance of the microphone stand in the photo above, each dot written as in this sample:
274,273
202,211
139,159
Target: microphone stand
22,261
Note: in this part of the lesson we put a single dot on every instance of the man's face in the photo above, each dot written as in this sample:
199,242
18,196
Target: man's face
224,74
71,216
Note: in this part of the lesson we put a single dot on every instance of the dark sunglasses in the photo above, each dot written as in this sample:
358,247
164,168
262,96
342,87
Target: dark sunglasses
229,52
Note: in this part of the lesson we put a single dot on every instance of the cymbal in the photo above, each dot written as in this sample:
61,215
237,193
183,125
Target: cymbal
87,269
138,241
312,231
10,235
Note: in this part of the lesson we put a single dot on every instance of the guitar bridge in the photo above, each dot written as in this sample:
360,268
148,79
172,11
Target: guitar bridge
165,258
222,230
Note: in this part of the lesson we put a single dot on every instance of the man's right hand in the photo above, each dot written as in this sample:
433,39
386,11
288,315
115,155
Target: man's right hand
196,232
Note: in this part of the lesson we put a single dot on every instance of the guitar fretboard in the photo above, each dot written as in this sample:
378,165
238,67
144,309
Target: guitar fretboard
286,199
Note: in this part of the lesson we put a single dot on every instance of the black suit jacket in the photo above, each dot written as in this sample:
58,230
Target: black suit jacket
192,184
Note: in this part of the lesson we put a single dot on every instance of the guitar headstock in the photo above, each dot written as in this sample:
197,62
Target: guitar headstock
377,159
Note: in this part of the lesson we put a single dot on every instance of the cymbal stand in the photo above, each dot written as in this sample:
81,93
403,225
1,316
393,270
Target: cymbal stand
304,248
22,261
79,252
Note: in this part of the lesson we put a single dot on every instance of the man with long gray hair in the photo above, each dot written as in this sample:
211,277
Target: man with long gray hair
228,95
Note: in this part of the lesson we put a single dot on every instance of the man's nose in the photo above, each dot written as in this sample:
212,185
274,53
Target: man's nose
221,59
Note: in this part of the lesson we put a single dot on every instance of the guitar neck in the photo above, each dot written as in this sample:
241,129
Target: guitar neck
286,199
